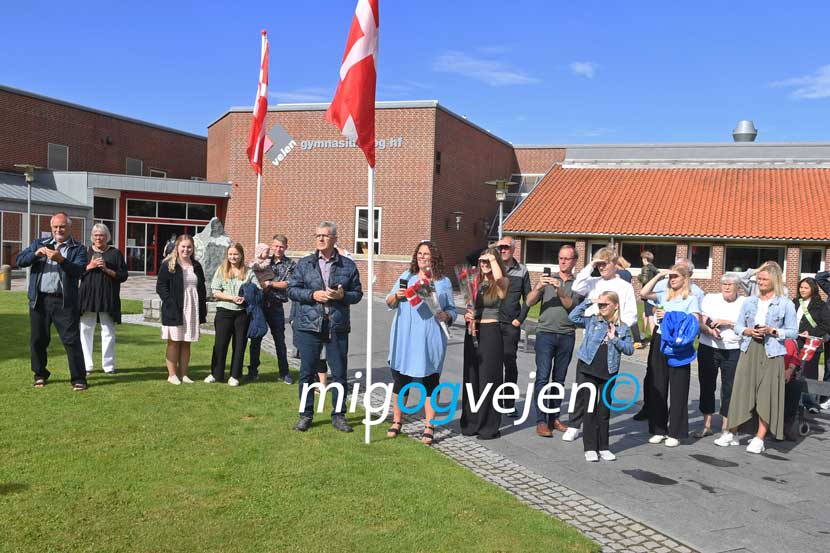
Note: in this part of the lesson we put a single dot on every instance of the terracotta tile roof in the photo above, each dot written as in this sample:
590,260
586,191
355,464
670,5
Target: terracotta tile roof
752,203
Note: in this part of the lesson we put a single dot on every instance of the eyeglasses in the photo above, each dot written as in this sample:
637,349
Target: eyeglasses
603,305
504,247
321,236
566,259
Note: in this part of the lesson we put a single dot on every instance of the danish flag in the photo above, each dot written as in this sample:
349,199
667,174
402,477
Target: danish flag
353,108
809,349
257,137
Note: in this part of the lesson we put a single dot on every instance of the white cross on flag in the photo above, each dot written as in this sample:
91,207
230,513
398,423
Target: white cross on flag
353,107
809,349
257,137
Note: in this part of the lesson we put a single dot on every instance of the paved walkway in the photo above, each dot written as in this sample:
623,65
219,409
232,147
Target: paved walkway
696,497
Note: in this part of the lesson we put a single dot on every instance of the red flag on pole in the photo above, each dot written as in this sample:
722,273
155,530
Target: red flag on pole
256,138
353,107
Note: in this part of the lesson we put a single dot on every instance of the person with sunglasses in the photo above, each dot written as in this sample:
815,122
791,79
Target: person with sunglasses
665,376
606,337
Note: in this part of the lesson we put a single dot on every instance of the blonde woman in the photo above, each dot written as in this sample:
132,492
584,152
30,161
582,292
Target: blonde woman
181,287
231,316
483,364
668,375
606,337
767,319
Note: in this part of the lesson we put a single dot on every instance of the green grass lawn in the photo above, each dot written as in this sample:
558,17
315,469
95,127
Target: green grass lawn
135,464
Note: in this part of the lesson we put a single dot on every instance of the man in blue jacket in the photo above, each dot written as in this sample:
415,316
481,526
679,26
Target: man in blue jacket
57,264
323,286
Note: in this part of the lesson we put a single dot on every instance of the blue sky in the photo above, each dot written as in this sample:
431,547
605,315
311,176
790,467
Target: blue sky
532,72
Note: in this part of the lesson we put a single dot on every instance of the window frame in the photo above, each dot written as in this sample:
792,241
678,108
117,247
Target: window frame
821,267
49,156
162,173
357,238
754,245
127,167
539,267
3,241
707,272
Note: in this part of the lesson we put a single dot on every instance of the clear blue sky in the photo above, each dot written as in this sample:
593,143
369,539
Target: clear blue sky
532,72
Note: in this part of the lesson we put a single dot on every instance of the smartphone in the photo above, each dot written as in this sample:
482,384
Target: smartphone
711,323
49,246
403,283
757,326
546,271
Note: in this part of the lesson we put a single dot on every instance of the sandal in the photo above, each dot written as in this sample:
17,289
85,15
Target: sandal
40,382
702,433
428,438
393,431
78,387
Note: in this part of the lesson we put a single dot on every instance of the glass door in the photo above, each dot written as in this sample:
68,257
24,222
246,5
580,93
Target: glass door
137,247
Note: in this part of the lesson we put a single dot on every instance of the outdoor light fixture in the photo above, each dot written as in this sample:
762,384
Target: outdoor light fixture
458,215
29,175
501,195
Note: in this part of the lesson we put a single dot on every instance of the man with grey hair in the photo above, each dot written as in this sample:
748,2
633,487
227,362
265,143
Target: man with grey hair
57,264
323,286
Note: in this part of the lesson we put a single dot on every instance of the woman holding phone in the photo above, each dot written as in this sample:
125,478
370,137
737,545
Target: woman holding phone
100,297
231,316
417,345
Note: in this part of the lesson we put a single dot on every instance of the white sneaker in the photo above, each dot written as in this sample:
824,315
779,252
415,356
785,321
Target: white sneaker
672,442
656,439
209,379
591,456
606,455
186,380
233,382
726,439
570,434
825,406
756,445
173,379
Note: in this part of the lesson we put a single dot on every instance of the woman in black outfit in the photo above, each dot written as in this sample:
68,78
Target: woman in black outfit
813,317
181,287
100,299
483,364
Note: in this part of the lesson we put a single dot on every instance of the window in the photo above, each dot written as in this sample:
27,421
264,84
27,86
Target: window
544,252
198,178
812,261
701,256
361,240
741,258
158,173
104,208
437,163
664,254
202,212
11,233
57,158
141,208
172,210
135,167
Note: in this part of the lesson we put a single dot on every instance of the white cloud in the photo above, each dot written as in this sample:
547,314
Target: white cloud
593,133
809,87
306,94
406,88
491,72
584,68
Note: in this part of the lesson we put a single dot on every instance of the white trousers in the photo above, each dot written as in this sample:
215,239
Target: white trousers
107,340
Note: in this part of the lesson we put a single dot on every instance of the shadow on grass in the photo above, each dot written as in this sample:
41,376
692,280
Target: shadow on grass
8,488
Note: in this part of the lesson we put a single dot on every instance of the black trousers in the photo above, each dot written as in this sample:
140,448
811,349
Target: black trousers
595,422
230,326
653,349
664,419
482,366
709,360
50,310
510,339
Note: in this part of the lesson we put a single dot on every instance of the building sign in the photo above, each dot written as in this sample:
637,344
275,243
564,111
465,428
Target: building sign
278,144
380,143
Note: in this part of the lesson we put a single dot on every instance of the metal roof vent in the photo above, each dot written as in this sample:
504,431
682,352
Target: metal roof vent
744,131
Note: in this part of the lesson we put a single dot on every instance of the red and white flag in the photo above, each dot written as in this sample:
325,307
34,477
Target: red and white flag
257,136
353,107
809,349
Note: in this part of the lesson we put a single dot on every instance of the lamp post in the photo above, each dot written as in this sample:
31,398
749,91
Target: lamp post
29,175
501,195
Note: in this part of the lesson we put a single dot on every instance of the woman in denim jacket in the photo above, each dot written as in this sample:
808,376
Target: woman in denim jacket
598,360
765,322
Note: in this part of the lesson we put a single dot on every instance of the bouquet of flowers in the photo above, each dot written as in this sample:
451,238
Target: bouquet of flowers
424,291
468,282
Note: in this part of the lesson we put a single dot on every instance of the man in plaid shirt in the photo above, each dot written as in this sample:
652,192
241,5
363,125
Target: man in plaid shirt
275,293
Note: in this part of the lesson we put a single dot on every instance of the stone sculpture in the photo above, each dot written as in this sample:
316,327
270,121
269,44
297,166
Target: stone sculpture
211,245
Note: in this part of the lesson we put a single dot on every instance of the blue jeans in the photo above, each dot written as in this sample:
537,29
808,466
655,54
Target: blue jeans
275,317
551,349
310,344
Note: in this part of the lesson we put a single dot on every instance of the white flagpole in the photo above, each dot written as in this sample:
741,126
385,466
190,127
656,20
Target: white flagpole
258,200
370,277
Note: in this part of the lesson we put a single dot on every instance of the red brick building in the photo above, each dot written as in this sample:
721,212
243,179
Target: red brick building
144,181
432,166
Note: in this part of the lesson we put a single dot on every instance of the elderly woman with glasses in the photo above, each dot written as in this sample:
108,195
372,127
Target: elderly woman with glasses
719,349
669,423
100,297
767,319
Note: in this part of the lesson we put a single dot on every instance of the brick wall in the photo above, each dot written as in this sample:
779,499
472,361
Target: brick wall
537,160
30,124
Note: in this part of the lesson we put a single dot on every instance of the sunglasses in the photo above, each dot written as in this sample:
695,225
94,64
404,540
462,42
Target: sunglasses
504,247
484,261
601,265
674,275
603,305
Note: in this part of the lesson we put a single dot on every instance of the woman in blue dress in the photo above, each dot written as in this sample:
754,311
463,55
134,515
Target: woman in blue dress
417,344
